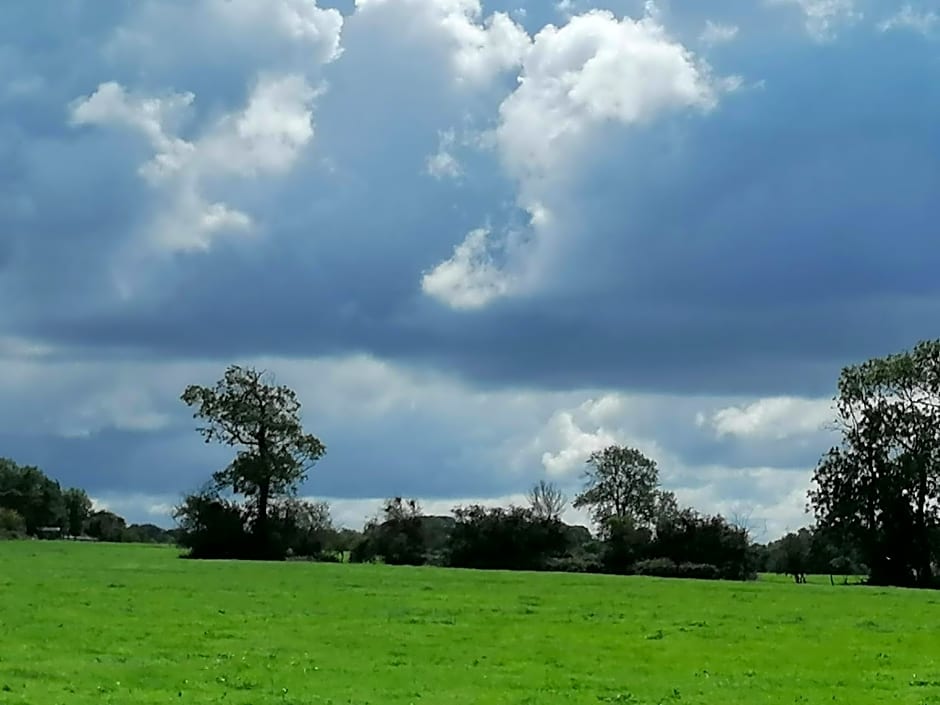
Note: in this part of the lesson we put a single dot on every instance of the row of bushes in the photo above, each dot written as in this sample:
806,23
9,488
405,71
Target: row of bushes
686,545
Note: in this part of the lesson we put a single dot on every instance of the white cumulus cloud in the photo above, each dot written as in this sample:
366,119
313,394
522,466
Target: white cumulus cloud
297,20
266,136
471,278
481,47
595,69
774,418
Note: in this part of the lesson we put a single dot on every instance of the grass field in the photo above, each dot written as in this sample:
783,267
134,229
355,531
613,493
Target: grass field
83,624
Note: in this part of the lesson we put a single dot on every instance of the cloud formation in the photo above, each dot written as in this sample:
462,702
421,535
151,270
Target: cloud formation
481,238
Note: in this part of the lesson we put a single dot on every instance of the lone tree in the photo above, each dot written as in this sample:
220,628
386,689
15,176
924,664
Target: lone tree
880,487
547,501
620,484
245,409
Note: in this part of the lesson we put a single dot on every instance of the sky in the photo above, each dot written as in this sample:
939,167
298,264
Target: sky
479,239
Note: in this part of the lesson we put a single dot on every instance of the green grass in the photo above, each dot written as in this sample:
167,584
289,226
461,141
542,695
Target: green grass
83,624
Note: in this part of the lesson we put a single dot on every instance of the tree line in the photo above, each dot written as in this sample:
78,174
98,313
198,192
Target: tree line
875,497
34,505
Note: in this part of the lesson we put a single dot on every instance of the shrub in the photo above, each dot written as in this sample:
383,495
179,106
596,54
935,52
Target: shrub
12,524
504,539
575,563
657,567
699,571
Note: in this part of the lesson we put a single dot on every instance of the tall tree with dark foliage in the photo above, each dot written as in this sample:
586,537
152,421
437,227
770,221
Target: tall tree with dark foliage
246,410
881,485
621,484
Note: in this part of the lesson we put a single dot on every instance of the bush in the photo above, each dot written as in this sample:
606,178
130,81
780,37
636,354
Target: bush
504,539
576,563
12,524
689,537
212,527
699,571
657,567
625,545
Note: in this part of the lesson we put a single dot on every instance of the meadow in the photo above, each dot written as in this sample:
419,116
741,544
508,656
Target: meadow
112,623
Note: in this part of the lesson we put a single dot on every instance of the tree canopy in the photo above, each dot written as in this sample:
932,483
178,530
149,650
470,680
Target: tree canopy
247,410
620,484
881,486
546,500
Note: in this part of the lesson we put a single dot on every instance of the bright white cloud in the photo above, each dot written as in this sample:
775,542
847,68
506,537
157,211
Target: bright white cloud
573,444
297,20
264,137
570,435
595,69
295,34
481,47
268,135
470,278
774,418
923,21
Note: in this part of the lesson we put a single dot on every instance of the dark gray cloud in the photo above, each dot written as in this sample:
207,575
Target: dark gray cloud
753,249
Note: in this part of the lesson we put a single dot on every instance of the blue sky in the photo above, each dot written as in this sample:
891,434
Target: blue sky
480,240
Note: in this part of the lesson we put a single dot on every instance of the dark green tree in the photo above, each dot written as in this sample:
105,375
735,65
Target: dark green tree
881,486
35,497
514,538
245,409
106,526
396,535
620,484
302,526
211,526
77,510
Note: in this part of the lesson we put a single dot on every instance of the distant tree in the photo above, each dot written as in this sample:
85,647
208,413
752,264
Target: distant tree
810,550
34,496
513,538
692,538
400,509
148,533
396,535
665,509
880,487
245,409
625,543
77,510
620,483
796,554
546,500
303,527
344,540
106,526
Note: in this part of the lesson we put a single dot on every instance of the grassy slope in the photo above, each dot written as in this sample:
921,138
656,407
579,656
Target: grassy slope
82,624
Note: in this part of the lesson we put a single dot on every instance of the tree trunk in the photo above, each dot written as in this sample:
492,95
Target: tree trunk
924,576
261,525
264,494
